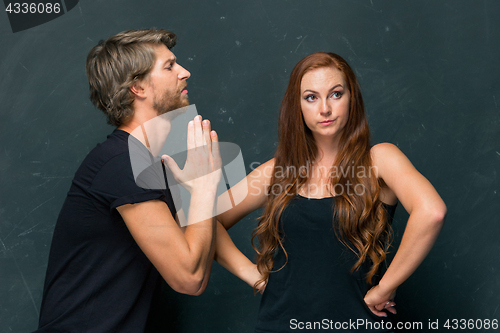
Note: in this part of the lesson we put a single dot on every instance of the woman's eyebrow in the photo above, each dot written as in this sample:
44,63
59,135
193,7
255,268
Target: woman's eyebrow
337,85
315,92
332,88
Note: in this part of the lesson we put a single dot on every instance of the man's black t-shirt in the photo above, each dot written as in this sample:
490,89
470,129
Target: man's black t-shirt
98,279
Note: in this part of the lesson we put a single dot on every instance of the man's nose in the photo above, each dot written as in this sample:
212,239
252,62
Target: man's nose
183,73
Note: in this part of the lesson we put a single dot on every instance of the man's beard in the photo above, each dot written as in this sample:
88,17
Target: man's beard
169,102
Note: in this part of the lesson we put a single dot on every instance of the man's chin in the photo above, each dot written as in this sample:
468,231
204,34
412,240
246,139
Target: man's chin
183,103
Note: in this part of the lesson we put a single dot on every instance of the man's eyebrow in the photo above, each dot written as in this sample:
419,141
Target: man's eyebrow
171,59
332,88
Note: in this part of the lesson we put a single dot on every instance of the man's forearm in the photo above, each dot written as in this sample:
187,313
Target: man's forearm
200,232
208,269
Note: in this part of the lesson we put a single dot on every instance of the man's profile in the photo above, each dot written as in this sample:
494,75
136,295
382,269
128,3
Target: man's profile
114,240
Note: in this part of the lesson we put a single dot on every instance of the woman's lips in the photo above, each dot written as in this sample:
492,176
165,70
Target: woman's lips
327,122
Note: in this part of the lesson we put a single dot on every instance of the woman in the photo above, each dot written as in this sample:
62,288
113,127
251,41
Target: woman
329,198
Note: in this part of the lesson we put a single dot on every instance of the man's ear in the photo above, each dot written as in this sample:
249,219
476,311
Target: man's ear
139,88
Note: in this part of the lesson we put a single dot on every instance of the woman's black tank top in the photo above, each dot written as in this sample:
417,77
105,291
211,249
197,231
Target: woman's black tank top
315,291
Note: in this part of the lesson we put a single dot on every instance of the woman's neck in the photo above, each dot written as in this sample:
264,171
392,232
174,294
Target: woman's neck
327,150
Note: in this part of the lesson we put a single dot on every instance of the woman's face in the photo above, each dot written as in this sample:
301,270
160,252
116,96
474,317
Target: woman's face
325,102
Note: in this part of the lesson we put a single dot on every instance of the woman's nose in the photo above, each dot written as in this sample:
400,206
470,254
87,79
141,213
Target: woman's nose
326,109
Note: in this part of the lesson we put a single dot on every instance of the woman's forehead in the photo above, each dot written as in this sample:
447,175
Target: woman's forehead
323,77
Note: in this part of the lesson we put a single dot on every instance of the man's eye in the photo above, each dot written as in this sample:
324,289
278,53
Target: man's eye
310,98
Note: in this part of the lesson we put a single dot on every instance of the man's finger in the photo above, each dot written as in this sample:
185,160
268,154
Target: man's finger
206,134
198,132
190,139
215,150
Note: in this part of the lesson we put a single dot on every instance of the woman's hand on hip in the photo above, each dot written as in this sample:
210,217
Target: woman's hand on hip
378,299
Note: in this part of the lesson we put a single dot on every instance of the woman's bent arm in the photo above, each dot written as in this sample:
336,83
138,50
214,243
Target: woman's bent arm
427,213
232,259
251,194
253,189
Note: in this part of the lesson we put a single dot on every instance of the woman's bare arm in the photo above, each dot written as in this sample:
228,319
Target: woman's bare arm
253,189
427,213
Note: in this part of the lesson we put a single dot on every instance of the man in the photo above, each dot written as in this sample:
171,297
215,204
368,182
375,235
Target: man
114,240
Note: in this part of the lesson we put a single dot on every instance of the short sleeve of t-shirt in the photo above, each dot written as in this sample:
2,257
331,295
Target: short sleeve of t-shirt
115,184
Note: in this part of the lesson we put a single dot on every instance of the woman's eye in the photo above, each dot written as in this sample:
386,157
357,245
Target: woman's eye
310,98
337,94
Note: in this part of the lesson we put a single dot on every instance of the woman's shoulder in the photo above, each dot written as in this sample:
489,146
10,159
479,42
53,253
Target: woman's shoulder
383,149
384,155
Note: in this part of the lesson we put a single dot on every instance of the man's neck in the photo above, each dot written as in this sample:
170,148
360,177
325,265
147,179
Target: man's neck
151,131
140,116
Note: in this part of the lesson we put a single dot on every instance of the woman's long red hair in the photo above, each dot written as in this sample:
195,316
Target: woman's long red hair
360,220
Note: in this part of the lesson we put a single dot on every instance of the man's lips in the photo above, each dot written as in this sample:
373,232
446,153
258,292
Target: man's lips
184,90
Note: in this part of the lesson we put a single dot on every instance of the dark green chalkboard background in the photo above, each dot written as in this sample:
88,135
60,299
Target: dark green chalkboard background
429,72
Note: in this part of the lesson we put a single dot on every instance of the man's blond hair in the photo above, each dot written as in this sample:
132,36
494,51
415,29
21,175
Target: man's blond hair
116,63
